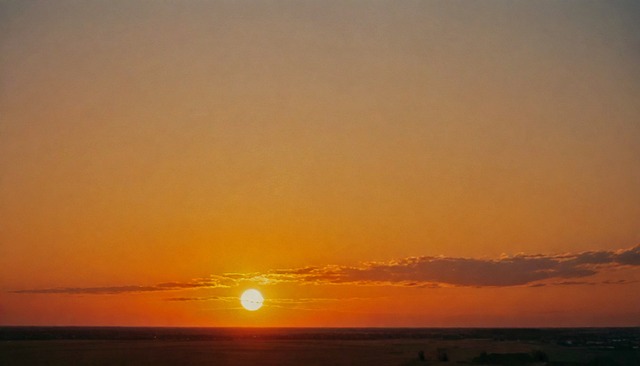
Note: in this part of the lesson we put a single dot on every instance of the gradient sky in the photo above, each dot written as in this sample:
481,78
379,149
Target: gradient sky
362,163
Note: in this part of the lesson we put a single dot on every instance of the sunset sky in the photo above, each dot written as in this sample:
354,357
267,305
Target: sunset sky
361,163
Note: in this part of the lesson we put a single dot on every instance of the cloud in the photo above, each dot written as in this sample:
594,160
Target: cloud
210,282
272,301
574,283
203,298
428,271
305,303
630,257
419,272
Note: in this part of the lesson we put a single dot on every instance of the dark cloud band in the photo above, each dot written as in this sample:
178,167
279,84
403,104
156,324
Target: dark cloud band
419,272
436,271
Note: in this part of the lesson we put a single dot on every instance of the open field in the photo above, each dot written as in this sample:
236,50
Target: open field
271,348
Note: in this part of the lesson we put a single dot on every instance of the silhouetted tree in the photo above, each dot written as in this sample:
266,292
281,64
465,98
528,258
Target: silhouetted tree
442,355
539,356
483,358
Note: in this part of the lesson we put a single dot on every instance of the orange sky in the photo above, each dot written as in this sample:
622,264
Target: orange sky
362,163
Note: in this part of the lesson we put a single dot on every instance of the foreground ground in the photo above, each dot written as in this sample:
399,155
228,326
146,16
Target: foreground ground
293,352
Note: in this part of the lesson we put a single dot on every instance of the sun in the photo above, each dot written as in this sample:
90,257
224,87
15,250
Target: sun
251,300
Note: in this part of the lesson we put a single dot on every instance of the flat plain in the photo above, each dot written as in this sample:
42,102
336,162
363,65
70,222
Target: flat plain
327,348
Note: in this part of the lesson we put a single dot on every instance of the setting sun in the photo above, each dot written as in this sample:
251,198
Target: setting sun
251,300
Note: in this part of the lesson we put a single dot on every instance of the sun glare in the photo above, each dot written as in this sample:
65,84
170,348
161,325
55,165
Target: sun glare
251,300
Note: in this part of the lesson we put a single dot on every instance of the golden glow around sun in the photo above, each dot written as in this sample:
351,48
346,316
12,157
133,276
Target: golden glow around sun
251,300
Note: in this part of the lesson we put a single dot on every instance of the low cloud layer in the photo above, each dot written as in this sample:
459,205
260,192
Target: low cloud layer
421,272
437,271
273,301
212,282
202,298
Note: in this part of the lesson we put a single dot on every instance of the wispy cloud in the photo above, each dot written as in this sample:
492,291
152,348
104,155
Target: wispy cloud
303,300
305,303
210,282
420,272
202,298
